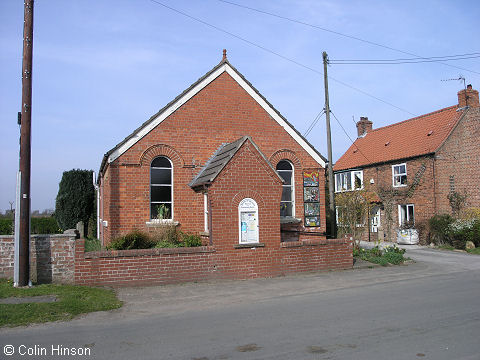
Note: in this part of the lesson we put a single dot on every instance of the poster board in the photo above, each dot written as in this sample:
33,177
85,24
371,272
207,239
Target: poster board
311,198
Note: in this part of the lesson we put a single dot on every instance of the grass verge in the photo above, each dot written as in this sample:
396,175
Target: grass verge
71,301
389,255
475,251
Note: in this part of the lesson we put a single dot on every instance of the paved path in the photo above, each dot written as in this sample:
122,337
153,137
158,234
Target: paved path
426,310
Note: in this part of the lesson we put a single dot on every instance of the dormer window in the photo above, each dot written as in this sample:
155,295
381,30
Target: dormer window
399,175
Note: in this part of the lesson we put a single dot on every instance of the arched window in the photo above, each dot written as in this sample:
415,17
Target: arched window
161,189
287,204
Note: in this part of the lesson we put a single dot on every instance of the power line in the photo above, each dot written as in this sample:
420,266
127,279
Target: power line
314,122
391,62
277,54
417,58
337,33
353,143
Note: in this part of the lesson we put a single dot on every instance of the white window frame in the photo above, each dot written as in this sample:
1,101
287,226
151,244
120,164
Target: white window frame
292,184
205,212
248,205
407,215
153,220
399,175
353,173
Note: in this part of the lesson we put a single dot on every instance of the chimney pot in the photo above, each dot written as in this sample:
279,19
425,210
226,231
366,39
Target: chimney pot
224,54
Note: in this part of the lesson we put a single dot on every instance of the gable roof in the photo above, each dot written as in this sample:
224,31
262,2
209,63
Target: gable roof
223,66
418,136
220,159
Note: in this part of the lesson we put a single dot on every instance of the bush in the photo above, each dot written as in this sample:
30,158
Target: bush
389,255
133,240
75,199
191,240
461,231
394,255
92,245
44,225
439,228
6,226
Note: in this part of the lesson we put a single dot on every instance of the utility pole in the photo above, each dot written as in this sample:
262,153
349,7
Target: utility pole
329,145
25,146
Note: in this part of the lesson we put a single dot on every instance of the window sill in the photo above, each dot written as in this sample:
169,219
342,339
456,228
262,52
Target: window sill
160,222
290,220
249,246
399,186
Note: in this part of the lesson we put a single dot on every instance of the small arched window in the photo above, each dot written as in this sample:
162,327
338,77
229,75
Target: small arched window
287,204
161,189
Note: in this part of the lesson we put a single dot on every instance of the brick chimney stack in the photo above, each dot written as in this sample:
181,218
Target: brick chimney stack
363,126
468,97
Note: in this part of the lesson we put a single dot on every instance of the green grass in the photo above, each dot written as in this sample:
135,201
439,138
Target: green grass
445,247
389,255
475,251
71,301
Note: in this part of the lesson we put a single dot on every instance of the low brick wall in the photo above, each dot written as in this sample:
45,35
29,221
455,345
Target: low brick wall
176,265
52,258
62,259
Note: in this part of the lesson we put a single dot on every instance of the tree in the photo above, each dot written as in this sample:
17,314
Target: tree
75,199
352,213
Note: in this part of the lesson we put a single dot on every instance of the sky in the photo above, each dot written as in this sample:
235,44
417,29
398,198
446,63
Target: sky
102,68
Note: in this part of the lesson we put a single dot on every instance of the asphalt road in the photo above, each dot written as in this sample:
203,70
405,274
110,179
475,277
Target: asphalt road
429,309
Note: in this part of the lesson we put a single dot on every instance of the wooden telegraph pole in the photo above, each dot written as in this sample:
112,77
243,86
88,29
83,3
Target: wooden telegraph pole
25,146
329,145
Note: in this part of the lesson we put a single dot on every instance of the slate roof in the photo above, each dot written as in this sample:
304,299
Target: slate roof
220,159
418,136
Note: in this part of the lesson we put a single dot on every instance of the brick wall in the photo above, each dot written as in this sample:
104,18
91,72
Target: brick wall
177,265
220,113
52,258
457,163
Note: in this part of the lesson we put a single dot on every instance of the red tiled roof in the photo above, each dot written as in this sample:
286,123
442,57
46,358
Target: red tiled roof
417,136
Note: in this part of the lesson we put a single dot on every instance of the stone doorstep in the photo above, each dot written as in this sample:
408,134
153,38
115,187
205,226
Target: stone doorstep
29,299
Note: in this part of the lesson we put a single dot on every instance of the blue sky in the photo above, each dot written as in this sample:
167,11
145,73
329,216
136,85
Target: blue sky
101,68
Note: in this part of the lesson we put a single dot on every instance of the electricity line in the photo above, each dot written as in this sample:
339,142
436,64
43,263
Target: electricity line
336,33
277,54
353,143
314,122
392,62
418,58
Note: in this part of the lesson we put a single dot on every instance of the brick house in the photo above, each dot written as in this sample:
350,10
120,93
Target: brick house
219,160
414,165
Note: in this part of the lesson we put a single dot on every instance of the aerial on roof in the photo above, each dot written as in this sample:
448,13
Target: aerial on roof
410,138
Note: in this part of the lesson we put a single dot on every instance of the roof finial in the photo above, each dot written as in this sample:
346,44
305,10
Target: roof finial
224,55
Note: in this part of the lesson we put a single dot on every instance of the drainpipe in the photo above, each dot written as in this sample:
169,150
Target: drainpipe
97,191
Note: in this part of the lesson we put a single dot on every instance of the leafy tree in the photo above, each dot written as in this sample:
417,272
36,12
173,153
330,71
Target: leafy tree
352,212
75,199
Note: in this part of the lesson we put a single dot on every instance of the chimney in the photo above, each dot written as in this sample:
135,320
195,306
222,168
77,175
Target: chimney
468,97
363,126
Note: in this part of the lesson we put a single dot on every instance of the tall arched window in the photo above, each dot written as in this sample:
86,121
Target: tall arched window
161,189
287,204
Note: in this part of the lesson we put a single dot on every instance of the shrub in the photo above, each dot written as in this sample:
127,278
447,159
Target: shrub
44,225
75,199
394,255
461,231
389,255
133,240
92,245
439,228
166,234
191,240
6,226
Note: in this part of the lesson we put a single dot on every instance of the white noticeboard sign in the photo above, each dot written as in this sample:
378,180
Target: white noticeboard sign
248,218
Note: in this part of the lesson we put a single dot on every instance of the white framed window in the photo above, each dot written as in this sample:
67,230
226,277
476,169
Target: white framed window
349,180
406,215
399,175
161,189
205,212
287,204
248,221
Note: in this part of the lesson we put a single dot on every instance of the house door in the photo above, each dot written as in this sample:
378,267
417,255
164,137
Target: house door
375,219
